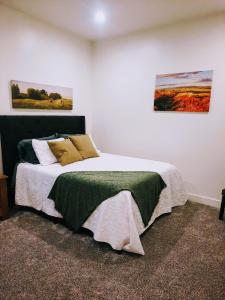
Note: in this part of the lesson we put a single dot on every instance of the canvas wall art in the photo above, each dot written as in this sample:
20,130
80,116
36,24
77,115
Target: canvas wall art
40,96
184,92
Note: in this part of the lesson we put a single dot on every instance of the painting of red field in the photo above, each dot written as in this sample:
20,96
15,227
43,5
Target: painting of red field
184,92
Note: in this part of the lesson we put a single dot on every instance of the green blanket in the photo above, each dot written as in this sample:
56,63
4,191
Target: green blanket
78,194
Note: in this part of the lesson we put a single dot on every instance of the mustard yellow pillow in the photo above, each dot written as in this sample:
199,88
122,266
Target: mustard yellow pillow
65,152
84,145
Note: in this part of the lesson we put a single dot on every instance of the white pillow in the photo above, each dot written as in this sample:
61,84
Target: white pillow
43,152
93,143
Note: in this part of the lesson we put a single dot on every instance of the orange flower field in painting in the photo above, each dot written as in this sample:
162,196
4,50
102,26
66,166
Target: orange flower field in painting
187,92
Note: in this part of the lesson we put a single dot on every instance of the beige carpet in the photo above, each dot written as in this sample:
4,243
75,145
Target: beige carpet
185,259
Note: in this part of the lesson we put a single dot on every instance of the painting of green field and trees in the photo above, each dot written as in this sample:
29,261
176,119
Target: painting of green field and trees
38,96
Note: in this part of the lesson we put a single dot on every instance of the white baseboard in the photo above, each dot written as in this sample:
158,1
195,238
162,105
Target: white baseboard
205,200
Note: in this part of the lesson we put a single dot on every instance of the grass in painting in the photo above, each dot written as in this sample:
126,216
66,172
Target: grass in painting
187,99
65,104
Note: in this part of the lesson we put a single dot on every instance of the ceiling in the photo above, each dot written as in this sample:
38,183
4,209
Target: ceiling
123,16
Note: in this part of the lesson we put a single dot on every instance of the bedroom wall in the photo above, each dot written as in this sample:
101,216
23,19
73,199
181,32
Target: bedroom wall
124,120
33,51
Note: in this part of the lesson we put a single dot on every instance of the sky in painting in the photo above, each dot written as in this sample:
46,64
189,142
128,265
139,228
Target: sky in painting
66,93
199,78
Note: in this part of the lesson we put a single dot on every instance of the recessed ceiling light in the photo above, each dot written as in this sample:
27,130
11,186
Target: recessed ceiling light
100,17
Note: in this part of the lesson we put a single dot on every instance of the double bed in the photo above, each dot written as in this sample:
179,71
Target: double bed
117,220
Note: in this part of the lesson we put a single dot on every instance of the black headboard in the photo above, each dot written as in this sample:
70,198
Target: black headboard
15,128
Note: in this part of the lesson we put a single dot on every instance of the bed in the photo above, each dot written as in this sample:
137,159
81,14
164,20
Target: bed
117,220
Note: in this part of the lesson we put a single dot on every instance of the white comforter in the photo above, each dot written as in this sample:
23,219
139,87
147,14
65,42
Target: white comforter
117,220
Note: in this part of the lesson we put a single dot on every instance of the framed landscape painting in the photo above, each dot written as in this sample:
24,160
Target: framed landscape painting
40,96
184,92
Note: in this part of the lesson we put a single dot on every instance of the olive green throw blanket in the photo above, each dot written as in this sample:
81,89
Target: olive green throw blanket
78,194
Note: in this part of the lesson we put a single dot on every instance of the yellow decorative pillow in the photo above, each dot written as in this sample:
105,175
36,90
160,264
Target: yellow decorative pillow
65,152
84,145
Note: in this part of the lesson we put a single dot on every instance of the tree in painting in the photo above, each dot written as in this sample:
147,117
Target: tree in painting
15,91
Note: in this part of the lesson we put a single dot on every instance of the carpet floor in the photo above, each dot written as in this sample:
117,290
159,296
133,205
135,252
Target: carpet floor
184,259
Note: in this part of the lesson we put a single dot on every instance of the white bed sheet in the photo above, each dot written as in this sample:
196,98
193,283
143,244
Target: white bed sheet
117,220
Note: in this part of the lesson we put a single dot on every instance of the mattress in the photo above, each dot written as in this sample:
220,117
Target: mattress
117,220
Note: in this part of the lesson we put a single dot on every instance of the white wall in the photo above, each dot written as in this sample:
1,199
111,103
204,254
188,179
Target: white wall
33,51
37,52
124,120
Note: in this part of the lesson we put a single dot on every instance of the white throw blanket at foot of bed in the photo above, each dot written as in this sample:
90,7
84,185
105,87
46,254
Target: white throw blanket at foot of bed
117,220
